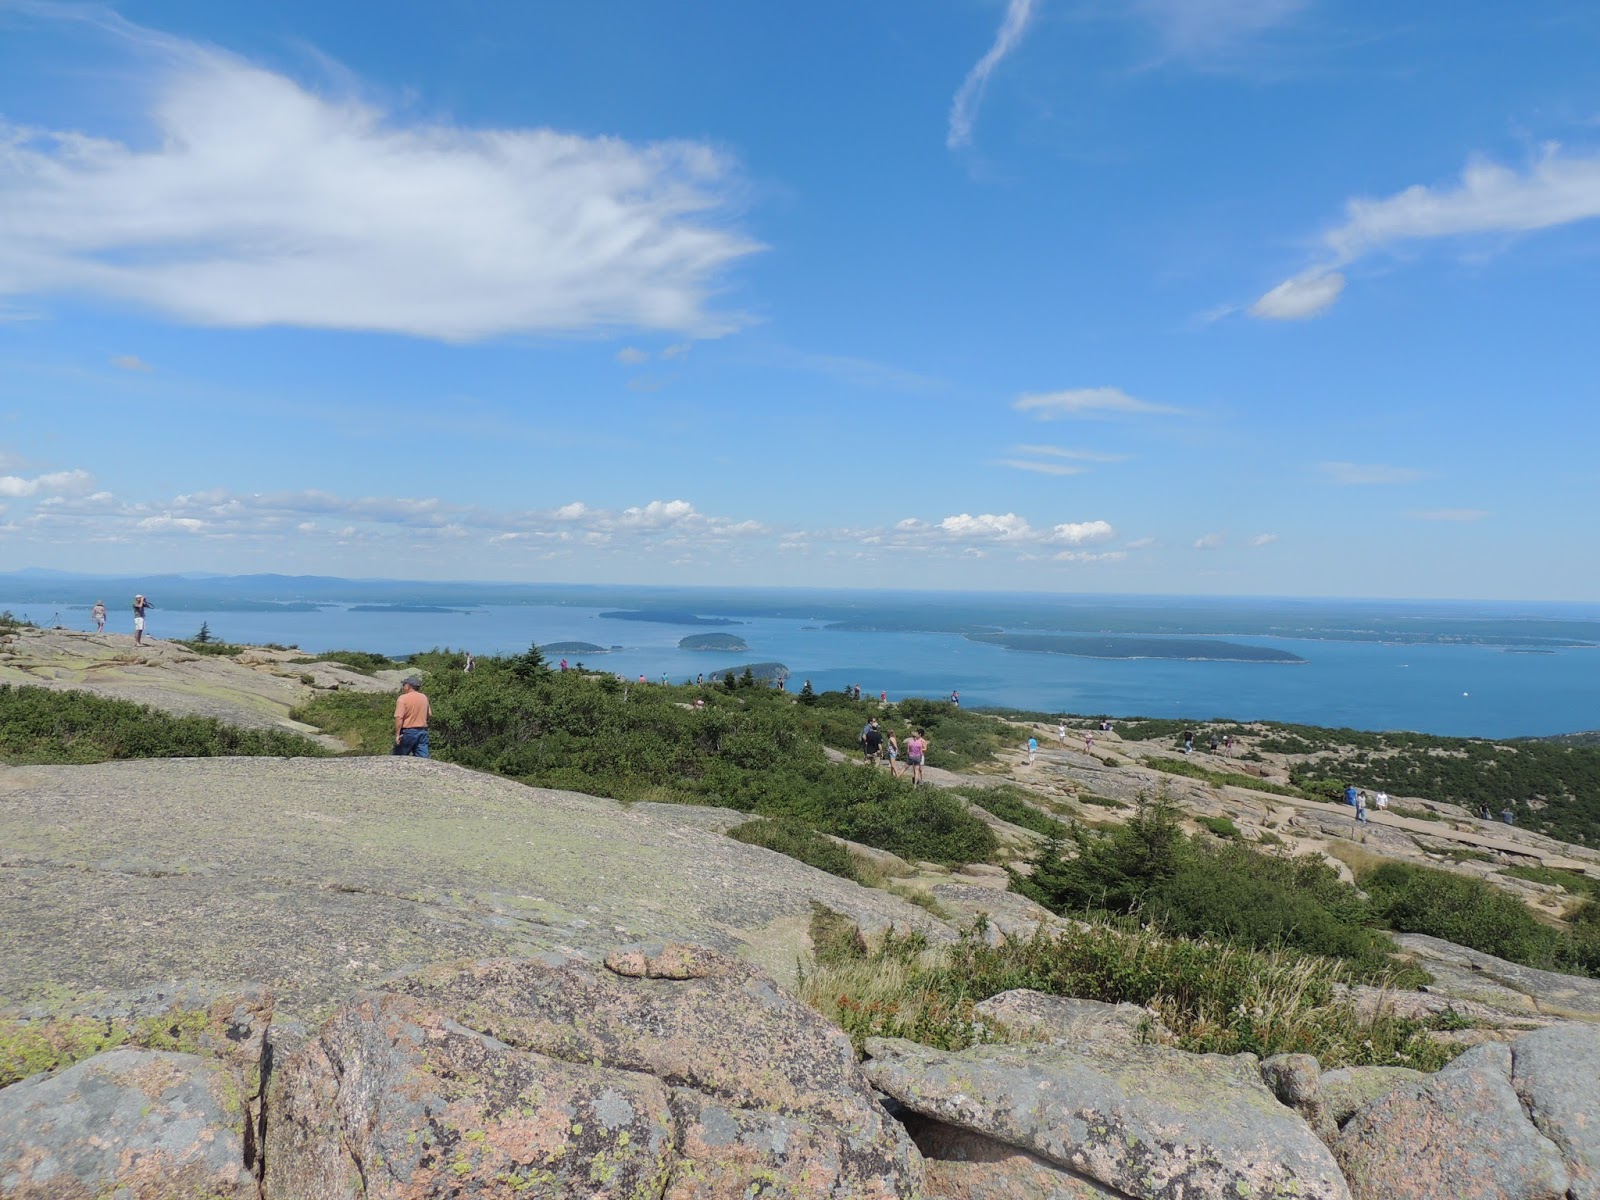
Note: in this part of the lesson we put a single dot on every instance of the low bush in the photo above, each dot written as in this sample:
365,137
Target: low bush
42,726
211,646
1223,827
1459,909
357,660
1008,804
1193,770
1214,998
797,841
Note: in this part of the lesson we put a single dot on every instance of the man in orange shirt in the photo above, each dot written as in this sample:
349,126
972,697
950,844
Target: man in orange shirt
411,713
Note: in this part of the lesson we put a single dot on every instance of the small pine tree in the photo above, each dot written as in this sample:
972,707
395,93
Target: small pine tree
748,679
729,682
204,636
530,665
807,695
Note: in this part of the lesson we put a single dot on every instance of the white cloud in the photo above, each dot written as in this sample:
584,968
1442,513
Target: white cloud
1064,452
964,108
1198,29
167,523
1041,468
677,350
57,483
1451,514
1300,298
1076,533
1558,188
1358,474
254,201
1089,403
1143,543
632,356
1004,527
1084,556
1210,541
1263,539
130,362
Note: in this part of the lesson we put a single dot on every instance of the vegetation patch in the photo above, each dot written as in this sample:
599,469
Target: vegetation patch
799,842
42,726
1214,998
1193,770
1223,827
1008,803
357,660
751,748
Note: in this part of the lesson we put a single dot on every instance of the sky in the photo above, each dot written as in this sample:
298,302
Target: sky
1256,297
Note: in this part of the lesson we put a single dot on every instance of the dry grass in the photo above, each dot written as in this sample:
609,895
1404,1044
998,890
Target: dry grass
1353,856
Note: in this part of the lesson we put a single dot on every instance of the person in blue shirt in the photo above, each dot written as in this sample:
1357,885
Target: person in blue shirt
1350,795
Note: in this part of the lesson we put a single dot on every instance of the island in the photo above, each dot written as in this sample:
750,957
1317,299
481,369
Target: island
575,648
427,609
1089,646
729,642
662,616
765,672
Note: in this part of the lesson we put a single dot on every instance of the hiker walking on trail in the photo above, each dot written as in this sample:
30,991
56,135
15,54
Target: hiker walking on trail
1361,808
871,741
893,746
98,612
916,751
139,605
1061,731
411,713
1088,741
1033,748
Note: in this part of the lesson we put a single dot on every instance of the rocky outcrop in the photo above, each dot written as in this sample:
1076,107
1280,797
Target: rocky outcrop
1142,1121
1461,1132
139,1124
1556,1074
671,1072
1026,1014
1458,971
320,877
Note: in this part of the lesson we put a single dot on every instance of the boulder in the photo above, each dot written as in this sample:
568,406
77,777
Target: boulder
130,1123
1346,1090
1296,1080
963,1165
1460,1133
670,1067
1556,1074
1030,1014
1144,1121
1456,968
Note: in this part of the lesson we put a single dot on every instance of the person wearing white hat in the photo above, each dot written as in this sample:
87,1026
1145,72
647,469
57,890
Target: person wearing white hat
139,605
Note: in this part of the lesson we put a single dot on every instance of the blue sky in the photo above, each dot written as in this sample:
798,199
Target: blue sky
1290,297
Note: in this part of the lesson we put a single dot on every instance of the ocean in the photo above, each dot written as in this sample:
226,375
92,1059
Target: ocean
1456,668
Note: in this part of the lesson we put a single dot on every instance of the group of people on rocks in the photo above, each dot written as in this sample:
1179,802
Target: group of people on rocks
876,744
98,615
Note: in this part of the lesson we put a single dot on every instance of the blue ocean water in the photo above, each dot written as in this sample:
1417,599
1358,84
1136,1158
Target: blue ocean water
1455,688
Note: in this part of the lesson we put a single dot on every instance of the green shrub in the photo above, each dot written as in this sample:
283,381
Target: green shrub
1460,909
799,842
1008,804
1193,770
211,646
1223,827
357,660
42,726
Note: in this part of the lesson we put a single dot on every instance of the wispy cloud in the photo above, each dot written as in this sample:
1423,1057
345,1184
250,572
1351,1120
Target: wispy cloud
255,201
1038,468
633,356
1348,474
1094,456
1204,29
1451,514
1558,188
1263,539
964,108
1301,297
1211,541
130,362
1087,403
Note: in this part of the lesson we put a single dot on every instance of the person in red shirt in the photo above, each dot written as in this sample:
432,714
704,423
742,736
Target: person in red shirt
411,713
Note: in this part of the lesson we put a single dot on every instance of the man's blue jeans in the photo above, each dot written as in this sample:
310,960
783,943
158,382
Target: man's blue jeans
412,741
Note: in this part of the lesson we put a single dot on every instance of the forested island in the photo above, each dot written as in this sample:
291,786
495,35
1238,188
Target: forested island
659,616
573,648
730,642
1086,646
